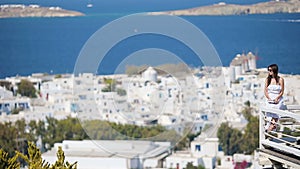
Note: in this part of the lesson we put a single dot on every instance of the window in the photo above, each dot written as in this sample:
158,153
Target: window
220,148
228,159
82,97
198,147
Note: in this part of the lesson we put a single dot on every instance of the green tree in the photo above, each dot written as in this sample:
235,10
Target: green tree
58,76
110,85
250,141
34,160
8,135
190,165
26,88
38,129
121,92
229,139
72,129
224,135
7,162
14,136
16,111
247,111
113,131
61,163
186,140
53,133
233,141
248,104
59,130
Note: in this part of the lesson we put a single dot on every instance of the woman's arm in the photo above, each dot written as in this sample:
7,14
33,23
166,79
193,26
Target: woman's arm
266,89
281,83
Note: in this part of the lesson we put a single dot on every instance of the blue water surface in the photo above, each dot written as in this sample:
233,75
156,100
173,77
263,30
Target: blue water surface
52,45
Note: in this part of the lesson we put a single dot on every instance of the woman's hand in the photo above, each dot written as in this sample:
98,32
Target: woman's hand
276,101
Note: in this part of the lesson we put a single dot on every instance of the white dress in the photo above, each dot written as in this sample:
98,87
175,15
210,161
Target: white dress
273,92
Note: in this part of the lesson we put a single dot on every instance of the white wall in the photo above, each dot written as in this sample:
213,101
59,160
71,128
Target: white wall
208,147
181,162
93,162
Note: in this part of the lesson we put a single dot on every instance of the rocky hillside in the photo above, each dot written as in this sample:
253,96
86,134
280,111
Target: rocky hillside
287,6
9,11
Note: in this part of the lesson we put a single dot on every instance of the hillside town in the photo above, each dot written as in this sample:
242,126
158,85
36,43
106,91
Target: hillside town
199,99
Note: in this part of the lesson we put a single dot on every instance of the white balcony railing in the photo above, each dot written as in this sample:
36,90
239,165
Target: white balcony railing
281,147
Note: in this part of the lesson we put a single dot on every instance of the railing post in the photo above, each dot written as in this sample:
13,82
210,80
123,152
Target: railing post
261,128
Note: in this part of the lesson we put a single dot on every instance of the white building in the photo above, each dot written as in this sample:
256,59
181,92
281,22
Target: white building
8,105
251,61
5,94
204,152
150,74
113,154
242,64
17,80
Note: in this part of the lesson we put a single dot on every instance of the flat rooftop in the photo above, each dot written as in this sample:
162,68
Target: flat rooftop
111,148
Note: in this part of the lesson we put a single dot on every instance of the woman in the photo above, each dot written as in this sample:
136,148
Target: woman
274,89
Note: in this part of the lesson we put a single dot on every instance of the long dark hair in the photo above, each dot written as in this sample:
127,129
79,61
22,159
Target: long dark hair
274,68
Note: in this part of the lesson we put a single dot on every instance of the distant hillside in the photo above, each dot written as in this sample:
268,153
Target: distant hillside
12,10
287,6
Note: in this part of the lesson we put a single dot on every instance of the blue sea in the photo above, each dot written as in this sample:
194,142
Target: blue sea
52,45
